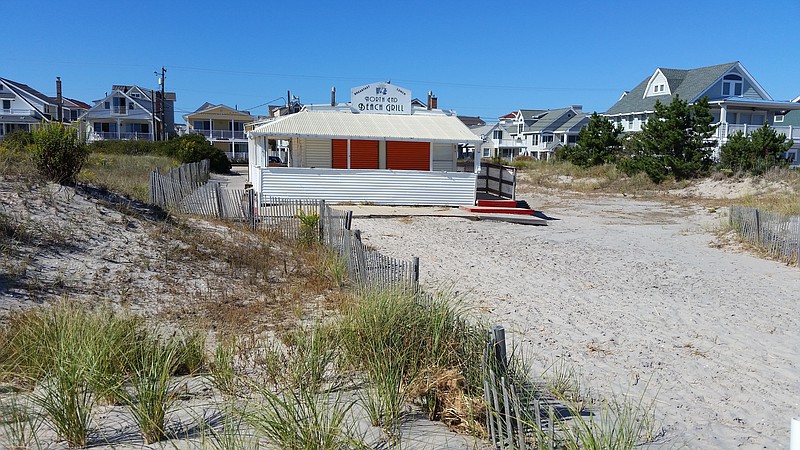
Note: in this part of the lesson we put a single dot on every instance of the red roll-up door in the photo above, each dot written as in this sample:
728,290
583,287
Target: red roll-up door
363,154
408,155
339,147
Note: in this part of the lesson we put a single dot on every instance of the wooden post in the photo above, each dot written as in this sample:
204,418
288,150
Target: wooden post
489,420
758,227
499,340
322,220
251,209
348,221
507,413
220,208
415,273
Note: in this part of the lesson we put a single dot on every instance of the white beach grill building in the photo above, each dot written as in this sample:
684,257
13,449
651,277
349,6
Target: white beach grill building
376,149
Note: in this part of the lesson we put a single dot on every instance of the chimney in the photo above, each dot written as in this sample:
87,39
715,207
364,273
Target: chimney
430,94
434,103
333,96
577,107
59,100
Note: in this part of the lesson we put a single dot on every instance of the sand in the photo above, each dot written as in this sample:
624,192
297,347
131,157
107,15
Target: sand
637,296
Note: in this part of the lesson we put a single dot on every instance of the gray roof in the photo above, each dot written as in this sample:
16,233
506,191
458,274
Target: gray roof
579,120
688,84
547,119
204,107
27,89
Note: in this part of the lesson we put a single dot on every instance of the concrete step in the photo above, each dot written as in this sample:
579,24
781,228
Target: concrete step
498,203
497,210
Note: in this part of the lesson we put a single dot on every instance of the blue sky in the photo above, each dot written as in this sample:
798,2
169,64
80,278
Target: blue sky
479,58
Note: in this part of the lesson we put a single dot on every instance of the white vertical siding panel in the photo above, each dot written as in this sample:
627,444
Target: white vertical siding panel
381,187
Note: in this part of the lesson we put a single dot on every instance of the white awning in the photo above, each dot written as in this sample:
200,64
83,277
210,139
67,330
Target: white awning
347,125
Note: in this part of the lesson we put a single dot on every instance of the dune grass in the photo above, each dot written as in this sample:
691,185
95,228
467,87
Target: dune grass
124,174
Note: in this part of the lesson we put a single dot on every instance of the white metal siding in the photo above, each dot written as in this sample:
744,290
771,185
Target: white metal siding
381,187
444,158
318,153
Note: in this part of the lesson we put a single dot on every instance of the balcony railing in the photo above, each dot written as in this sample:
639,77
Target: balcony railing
726,130
120,136
16,112
509,143
119,110
221,134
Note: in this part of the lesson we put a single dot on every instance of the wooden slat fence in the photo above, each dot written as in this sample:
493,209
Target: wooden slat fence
366,267
777,234
517,418
497,179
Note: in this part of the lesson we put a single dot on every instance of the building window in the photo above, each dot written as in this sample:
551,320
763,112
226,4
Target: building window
107,105
732,85
778,118
73,115
130,105
519,128
497,134
135,95
7,104
485,152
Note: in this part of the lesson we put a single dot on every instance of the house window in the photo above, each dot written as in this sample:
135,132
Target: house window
732,85
778,118
73,115
486,152
135,95
130,105
758,119
519,128
201,125
238,126
7,105
547,138
107,105
497,134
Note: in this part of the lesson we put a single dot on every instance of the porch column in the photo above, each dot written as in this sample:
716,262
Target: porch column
723,121
231,128
210,129
119,129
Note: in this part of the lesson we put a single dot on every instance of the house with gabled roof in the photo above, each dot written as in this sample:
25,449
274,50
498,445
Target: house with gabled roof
22,107
499,141
223,127
736,100
127,113
544,131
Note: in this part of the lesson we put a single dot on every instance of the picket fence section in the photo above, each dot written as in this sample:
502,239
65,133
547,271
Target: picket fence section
366,267
516,417
777,234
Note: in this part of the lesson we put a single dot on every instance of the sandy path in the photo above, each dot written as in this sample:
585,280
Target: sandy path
628,292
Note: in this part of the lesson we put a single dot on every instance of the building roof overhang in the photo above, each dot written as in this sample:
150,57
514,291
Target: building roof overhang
440,128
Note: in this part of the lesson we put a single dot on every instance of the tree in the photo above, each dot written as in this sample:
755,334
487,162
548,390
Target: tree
675,141
757,152
598,143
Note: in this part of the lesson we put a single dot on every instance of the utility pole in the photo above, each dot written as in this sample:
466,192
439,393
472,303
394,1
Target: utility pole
162,132
155,123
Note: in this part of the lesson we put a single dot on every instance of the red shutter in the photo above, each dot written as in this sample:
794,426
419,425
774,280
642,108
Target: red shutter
408,155
339,153
363,154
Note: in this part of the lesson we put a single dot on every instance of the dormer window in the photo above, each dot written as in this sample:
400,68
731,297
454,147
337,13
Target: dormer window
497,134
732,85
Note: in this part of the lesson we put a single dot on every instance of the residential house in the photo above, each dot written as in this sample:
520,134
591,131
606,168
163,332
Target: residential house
127,114
791,119
543,131
223,126
22,107
736,100
499,141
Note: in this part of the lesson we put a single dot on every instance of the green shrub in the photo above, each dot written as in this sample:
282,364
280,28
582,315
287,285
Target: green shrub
309,227
194,147
18,140
58,153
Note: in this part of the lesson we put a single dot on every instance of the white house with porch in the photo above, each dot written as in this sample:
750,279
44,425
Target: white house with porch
736,100
223,127
378,148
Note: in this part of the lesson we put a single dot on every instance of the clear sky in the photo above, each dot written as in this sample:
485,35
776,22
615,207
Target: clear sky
479,58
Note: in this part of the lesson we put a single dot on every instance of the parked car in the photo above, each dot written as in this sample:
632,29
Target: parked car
276,161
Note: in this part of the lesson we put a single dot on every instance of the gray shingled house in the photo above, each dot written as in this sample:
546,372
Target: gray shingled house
737,101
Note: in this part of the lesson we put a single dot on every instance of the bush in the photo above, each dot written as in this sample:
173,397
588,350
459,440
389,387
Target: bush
58,153
194,147
18,140
131,148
